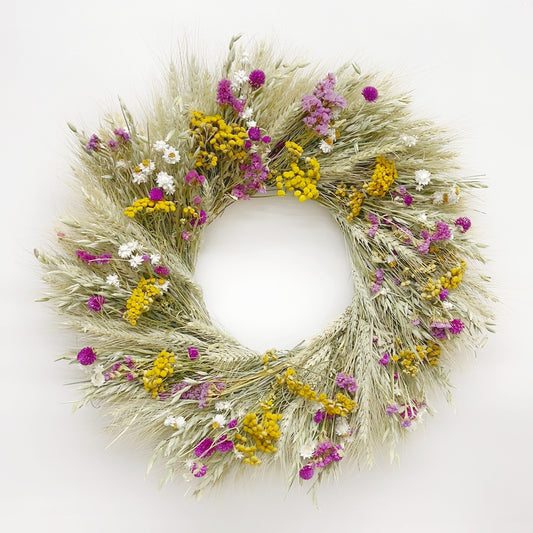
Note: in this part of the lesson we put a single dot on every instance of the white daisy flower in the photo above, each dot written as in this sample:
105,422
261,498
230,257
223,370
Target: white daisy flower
341,427
408,140
164,286
171,155
155,259
325,146
247,113
112,280
222,406
306,451
166,182
160,146
422,178
176,422
219,421
98,379
125,250
136,260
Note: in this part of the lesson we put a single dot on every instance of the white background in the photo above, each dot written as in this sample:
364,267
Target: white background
469,66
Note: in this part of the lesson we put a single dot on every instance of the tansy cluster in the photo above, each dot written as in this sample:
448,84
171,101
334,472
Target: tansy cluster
383,177
214,137
149,206
141,298
450,280
153,379
355,199
410,361
341,405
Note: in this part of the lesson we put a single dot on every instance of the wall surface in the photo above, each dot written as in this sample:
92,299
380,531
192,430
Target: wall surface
468,469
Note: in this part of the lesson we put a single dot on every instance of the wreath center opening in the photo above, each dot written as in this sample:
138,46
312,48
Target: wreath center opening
274,271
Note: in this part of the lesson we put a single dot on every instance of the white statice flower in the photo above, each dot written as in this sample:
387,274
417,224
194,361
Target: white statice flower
240,77
125,250
136,260
422,178
171,155
112,280
325,146
408,140
306,451
222,406
247,113
98,379
341,427
219,421
176,422
155,259
160,146
251,124
166,182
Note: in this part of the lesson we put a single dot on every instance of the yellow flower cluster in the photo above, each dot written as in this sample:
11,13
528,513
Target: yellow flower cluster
295,150
149,206
215,137
410,361
301,182
355,199
141,298
264,433
450,280
341,405
384,175
153,378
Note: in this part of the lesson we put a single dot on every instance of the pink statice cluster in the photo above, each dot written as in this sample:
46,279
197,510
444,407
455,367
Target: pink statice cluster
326,452
207,446
127,366
379,280
346,382
438,329
200,392
322,105
442,233
91,259
255,175
225,96
374,220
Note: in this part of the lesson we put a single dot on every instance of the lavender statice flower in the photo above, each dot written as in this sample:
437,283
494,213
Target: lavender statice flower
93,144
123,134
346,382
379,280
225,96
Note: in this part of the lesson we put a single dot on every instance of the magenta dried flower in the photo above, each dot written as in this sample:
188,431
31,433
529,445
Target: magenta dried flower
93,144
123,134
391,409
204,448
113,145
254,134
185,236
456,326
346,382
266,139
306,472
86,356
224,444
156,195
319,416
232,423
193,178
193,352
256,79
225,96
374,220
161,270
464,223
385,359
91,259
198,470
443,294
96,303
370,93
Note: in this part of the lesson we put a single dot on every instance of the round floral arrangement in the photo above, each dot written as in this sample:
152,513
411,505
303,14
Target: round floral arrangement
122,273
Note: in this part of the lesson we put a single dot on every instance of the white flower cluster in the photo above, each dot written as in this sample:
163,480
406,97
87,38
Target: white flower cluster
142,171
176,422
422,178
170,154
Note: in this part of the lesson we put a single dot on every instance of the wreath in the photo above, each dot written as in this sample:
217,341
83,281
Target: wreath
122,270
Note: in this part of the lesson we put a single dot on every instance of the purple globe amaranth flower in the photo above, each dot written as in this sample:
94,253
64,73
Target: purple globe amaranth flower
319,416
407,199
456,326
224,444
254,134
123,134
443,294
161,270
204,448
464,223
86,356
156,195
385,359
256,78
193,178
370,93
197,200
266,139
232,423
91,259
93,144
96,303
202,218
198,470
306,472
193,352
